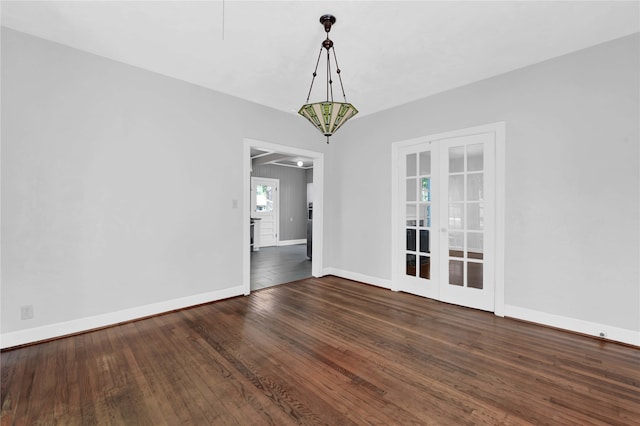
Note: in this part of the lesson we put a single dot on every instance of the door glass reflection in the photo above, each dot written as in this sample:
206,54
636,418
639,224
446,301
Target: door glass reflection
425,215
425,189
425,267
474,275
456,216
475,157
475,245
456,159
411,239
456,244
410,264
424,241
411,189
411,215
474,187
411,165
475,218
456,188
425,163
455,272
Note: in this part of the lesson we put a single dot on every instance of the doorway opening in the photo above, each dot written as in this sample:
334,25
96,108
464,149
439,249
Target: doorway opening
284,256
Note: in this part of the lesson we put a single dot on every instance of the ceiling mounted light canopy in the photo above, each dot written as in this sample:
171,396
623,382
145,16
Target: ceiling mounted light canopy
328,116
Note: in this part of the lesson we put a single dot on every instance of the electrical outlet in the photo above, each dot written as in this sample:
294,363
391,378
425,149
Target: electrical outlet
26,312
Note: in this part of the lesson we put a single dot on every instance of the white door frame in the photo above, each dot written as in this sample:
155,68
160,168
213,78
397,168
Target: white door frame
498,129
318,204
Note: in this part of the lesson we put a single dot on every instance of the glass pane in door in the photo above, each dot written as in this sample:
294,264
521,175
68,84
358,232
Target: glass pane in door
456,244
456,159
475,187
411,215
425,215
411,264
456,188
425,163
411,189
425,267
264,198
424,241
474,275
455,272
475,245
475,157
425,189
411,165
411,239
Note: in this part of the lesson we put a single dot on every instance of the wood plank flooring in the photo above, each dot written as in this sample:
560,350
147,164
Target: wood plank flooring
278,265
323,351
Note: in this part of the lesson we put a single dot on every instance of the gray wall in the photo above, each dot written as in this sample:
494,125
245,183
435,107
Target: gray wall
293,199
118,183
572,181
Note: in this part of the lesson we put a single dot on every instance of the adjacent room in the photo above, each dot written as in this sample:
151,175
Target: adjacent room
306,212
281,218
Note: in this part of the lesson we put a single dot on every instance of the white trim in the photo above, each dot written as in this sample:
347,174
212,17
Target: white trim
617,334
498,128
355,276
318,200
292,242
246,213
318,217
50,331
500,185
395,267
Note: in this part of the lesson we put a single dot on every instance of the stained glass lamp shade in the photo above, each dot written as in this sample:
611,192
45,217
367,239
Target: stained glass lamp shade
328,116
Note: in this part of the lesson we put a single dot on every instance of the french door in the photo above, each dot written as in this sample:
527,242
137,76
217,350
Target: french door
446,200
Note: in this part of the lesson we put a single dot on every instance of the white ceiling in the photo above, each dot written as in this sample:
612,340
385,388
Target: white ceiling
264,51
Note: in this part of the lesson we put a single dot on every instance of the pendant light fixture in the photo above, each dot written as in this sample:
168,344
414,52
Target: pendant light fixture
328,116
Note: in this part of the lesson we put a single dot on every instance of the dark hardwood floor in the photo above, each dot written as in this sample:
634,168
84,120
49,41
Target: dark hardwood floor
278,265
323,351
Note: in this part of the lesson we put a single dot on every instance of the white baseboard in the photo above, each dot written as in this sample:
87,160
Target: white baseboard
617,334
292,242
31,335
380,282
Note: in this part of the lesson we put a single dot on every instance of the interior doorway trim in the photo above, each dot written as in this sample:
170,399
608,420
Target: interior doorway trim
318,204
498,129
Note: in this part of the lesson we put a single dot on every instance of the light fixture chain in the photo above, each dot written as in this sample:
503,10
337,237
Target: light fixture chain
329,79
335,58
315,72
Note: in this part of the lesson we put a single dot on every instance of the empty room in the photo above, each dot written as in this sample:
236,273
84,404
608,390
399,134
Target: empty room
320,212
